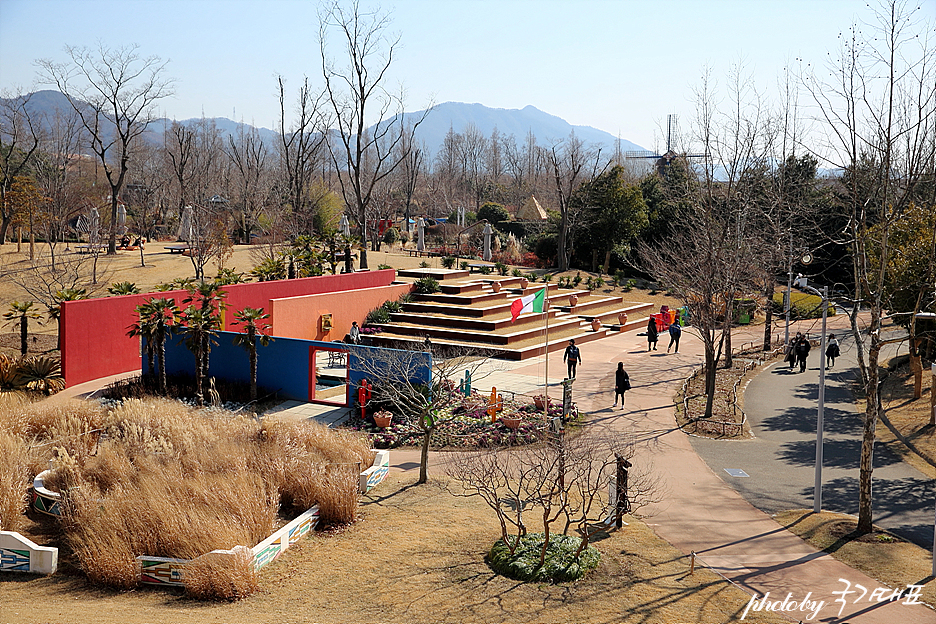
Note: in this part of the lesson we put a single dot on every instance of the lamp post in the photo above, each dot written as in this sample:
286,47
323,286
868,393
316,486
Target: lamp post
931,316
820,412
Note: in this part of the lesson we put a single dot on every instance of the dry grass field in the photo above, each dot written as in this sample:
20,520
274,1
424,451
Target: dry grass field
906,429
416,556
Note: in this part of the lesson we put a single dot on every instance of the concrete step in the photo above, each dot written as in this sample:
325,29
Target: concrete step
504,335
466,298
491,322
439,274
478,310
520,351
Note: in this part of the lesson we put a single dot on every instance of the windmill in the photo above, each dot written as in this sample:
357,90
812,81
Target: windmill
664,160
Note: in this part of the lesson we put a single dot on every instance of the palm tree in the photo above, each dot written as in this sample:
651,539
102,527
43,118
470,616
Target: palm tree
210,299
42,372
253,320
123,288
200,327
19,314
55,311
156,317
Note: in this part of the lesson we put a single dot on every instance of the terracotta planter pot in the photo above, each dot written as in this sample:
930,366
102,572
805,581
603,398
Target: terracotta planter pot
496,286
622,318
511,423
382,421
540,401
596,324
573,299
524,282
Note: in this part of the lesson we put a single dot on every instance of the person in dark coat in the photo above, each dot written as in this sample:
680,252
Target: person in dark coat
621,384
802,352
791,350
675,331
572,357
832,351
652,335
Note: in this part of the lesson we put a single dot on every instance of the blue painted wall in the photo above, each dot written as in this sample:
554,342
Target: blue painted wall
417,365
282,365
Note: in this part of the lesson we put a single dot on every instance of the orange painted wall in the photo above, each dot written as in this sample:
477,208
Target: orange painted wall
300,317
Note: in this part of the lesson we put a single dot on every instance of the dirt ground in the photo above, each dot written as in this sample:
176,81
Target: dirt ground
416,556
906,426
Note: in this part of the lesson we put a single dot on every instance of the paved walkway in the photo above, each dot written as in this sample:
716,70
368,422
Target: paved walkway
781,405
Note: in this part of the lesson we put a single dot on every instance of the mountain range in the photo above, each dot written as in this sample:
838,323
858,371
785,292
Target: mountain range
432,131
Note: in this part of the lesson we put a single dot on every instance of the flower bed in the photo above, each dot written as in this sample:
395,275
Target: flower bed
465,426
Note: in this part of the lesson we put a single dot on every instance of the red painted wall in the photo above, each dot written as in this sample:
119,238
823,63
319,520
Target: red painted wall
94,331
300,317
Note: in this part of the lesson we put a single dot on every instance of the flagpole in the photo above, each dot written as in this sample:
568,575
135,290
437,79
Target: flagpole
546,311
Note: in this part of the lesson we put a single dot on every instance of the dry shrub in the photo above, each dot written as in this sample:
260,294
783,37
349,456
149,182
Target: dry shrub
222,577
172,481
14,479
14,414
106,557
336,492
298,456
160,514
73,426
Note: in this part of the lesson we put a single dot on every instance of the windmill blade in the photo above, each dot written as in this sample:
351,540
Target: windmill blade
642,154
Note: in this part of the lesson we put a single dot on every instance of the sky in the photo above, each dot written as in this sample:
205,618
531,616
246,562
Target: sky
617,65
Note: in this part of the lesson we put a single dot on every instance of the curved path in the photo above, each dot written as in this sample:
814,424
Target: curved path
781,405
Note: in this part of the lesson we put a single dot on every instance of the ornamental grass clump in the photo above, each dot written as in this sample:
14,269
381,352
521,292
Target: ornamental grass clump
226,577
159,478
14,479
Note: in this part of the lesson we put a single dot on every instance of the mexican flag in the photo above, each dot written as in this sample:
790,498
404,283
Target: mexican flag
530,303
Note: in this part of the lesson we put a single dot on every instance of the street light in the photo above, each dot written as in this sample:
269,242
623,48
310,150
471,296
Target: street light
800,282
930,316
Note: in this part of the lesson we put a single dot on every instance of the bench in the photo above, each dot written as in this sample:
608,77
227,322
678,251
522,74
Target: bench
478,268
86,248
177,248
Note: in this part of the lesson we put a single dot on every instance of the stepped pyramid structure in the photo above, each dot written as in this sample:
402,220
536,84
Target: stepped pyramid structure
473,311
531,211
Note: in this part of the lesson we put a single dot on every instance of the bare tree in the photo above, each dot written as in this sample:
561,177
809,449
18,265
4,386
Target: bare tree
710,257
474,148
571,163
413,165
397,380
356,92
248,154
20,137
565,481
301,148
147,195
877,113
113,91
58,175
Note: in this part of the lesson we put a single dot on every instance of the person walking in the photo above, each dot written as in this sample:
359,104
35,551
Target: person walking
791,350
802,352
621,384
652,334
572,357
355,333
832,351
675,331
